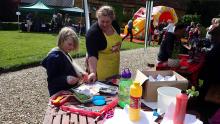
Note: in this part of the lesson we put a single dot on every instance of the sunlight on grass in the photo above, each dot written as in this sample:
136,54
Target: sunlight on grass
22,48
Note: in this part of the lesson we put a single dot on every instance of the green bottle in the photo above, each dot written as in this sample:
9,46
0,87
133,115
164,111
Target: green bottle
124,88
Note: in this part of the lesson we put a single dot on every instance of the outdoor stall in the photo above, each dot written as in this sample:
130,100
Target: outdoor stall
38,16
34,20
74,110
187,67
64,108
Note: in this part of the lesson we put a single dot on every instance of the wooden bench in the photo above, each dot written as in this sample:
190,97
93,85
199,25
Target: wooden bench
56,116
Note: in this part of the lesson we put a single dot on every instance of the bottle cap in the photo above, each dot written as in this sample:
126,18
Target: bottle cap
136,82
182,95
126,73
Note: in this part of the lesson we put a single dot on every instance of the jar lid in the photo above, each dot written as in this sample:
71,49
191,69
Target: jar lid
126,73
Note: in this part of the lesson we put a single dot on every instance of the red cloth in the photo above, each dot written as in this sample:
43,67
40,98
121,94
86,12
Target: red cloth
191,73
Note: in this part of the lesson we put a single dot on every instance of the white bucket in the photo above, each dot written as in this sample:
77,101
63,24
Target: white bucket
166,96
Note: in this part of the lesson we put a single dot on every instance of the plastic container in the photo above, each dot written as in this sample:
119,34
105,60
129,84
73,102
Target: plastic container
166,96
135,101
124,88
180,109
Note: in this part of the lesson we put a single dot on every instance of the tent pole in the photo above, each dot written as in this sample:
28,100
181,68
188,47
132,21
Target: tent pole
149,6
86,12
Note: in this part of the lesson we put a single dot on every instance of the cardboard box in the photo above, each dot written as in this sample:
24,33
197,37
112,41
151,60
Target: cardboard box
150,88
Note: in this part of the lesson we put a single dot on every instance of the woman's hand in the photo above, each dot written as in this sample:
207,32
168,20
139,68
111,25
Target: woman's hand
92,77
117,47
84,78
71,80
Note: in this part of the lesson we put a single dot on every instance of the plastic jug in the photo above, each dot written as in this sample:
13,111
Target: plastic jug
135,101
124,88
180,109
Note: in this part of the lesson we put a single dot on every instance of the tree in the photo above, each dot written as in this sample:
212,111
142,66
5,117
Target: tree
206,8
8,10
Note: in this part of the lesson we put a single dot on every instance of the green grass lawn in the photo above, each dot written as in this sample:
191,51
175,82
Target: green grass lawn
21,49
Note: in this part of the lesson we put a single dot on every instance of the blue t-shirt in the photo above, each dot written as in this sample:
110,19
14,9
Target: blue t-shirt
130,24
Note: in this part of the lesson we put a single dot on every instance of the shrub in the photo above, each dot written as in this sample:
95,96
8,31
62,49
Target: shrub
186,19
8,26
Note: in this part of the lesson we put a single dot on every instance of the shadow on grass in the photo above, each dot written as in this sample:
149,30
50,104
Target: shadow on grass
19,67
30,65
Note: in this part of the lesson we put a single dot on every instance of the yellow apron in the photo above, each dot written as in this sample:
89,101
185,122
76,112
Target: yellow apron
108,62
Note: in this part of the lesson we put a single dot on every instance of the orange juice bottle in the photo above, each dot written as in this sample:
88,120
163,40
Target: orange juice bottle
135,101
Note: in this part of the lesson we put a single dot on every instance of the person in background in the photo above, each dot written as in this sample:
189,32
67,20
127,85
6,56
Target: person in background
29,21
161,31
103,43
196,42
208,45
170,27
209,75
208,36
67,21
129,30
36,22
190,34
62,74
192,25
156,34
53,23
171,45
216,24
197,31
151,33
59,21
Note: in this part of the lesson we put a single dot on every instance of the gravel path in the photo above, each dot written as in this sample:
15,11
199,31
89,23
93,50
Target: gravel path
24,94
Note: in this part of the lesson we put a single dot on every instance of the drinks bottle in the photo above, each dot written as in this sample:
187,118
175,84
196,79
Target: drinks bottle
180,109
124,88
135,101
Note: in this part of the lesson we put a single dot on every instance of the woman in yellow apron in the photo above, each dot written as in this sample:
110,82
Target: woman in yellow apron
103,44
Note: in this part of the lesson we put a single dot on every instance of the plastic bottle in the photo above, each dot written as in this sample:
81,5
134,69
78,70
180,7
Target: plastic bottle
180,109
124,88
135,101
